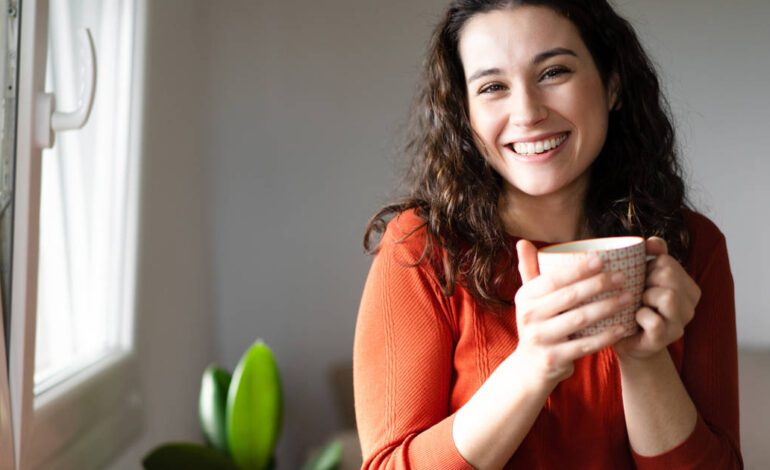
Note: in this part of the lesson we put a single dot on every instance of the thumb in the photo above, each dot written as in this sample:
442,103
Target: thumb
656,246
528,267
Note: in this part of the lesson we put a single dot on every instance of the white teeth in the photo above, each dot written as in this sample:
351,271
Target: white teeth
530,148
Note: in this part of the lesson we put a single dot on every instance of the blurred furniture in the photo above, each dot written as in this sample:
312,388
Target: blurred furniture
341,382
754,382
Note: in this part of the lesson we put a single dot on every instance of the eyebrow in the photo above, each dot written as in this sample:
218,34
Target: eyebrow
540,58
483,73
556,51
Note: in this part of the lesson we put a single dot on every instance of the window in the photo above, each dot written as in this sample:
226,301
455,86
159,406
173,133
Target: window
88,180
73,388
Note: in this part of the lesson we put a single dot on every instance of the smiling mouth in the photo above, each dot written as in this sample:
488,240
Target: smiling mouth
539,146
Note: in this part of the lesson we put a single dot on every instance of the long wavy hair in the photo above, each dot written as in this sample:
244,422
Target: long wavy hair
636,185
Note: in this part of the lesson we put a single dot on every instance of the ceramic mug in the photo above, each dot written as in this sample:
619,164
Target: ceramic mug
619,254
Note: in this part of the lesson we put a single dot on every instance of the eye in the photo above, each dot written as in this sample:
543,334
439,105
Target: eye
491,88
554,72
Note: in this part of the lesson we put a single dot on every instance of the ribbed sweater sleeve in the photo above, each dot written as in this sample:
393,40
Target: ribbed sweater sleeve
402,364
710,364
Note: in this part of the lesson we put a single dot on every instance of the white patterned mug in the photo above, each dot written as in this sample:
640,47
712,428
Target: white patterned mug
623,254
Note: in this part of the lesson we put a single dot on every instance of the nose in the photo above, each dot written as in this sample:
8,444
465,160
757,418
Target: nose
527,108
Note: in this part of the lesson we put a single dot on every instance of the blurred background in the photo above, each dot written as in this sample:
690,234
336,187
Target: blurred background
272,132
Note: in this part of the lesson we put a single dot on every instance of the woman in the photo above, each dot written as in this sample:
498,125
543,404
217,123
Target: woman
542,122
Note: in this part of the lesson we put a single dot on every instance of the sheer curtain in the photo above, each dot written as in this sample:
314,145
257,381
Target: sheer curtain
88,199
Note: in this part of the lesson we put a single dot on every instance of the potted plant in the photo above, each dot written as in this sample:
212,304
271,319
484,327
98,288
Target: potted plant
241,418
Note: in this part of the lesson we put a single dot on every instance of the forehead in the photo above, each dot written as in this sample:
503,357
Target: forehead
515,35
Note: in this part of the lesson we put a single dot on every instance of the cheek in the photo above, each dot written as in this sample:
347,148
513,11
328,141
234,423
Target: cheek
487,122
599,122
599,100
589,111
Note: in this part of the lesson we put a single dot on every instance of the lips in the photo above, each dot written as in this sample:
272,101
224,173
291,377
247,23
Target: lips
535,147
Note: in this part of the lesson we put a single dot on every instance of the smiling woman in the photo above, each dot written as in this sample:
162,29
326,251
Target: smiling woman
538,88
542,122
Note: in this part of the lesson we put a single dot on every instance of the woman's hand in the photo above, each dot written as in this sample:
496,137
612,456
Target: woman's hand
549,310
669,302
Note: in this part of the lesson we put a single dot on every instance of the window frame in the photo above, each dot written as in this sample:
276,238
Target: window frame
6,433
88,418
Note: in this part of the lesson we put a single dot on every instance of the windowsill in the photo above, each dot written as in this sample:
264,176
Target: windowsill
102,409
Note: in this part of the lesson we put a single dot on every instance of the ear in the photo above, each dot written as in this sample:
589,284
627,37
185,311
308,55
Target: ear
613,92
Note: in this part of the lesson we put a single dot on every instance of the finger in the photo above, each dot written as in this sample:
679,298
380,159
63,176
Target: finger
666,272
662,299
527,253
663,261
575,294
647,340
579,347
572,321
568,275
656,246
657,332
653,324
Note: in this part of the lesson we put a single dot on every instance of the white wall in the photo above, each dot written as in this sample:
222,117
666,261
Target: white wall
176,327
273,133
304,104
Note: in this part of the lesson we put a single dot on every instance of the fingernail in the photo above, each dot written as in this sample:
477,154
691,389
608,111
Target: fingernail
617,278
595,262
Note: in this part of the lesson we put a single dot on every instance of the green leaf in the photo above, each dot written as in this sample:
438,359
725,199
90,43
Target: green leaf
254,408
328,458
188,456
212,406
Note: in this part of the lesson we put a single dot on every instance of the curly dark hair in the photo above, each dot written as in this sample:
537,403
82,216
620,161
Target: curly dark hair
636,185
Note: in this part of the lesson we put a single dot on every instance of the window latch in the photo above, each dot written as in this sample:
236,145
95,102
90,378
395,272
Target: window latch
49,120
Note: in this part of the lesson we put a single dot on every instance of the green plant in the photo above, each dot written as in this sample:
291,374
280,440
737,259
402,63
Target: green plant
212,406
241,417
328,458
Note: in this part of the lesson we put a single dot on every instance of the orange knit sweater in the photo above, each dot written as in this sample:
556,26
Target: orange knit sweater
419,356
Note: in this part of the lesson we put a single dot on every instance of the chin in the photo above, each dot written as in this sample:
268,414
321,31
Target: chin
536,189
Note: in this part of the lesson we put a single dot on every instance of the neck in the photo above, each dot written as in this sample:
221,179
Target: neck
552,218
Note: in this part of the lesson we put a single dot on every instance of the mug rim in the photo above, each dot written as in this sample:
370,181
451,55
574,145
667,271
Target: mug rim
633,240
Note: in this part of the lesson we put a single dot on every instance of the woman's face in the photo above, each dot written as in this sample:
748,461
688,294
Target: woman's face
535,97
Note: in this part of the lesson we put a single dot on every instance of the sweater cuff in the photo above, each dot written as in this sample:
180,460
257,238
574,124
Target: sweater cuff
437,448
686,455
